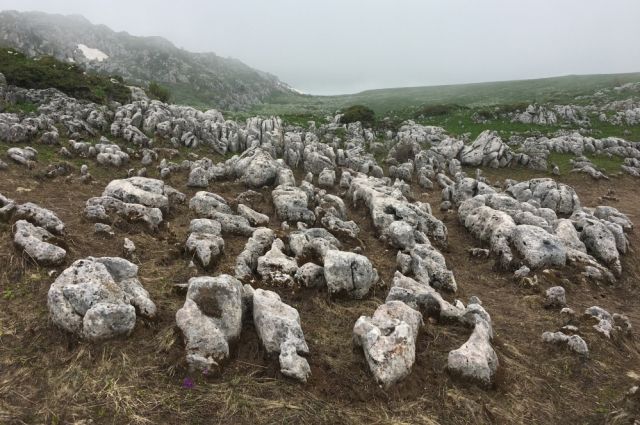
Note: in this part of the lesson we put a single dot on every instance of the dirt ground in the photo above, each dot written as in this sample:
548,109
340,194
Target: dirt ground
48,376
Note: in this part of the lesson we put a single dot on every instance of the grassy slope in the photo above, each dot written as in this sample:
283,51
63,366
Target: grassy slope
461,102
46,72
557,89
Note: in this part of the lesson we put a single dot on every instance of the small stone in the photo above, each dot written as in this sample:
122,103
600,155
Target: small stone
103,229
574,342
555,297
522,272
129,248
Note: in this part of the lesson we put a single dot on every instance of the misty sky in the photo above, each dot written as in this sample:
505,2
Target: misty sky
345,46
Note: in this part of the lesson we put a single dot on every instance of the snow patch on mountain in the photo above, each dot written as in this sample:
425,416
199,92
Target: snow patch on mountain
92,54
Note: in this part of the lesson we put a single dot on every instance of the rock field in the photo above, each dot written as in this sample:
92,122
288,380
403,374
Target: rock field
196,247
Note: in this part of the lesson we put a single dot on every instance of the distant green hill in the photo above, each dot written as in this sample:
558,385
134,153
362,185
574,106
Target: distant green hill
555,90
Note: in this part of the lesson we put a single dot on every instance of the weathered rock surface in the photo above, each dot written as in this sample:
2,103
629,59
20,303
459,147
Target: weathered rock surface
97,298
292,204
573,342
388,340
207,204
257,245
350,273
275,267
39,216
279,330
34,241
255,218
139,190
475,359
210,319
204,241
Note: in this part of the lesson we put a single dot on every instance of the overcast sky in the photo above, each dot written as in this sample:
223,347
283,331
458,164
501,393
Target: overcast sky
345,46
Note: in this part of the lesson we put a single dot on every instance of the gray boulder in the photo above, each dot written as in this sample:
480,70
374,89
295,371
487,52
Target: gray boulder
207,248
475,359
310,275
555,297
424,298
198,177
257,245
207,204
41,217
279,330
255,218
98,209
233,224
210,319
34,241
327,178
538,247
275,267
22,156
388,340
349,273
314,242
291,204
573,342
601,243
139,190
97,298
256,168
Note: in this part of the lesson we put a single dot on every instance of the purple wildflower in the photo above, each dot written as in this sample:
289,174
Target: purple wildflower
188,383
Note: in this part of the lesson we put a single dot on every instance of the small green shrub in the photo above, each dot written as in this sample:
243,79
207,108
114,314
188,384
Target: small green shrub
47,72
358,113
156,91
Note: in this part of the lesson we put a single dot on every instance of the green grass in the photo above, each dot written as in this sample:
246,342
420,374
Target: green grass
610,165
604,129
46,72
390,101
21,106
452,107
460,122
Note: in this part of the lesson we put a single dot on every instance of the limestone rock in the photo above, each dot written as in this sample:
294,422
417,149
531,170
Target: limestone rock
388,340
97,298
475,359
349,272
210,319
574,342
255,218
35,243
279,330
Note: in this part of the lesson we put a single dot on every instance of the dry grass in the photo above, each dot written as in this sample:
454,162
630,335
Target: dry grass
47,376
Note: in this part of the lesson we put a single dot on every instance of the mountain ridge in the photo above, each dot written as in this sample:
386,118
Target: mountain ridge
200,79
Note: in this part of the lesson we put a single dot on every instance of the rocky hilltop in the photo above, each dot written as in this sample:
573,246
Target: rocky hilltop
194,78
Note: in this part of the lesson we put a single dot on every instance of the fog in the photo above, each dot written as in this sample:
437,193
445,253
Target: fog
333,47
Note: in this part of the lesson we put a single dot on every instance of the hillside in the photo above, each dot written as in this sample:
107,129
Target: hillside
199,79
554,90
48,72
